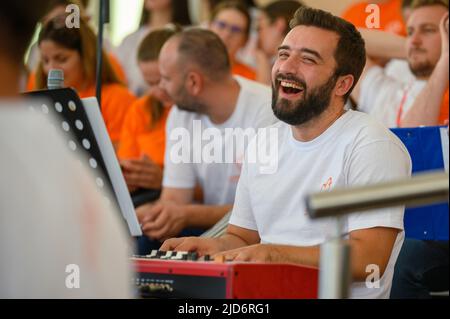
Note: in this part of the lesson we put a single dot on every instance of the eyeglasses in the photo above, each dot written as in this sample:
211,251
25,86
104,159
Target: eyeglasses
234,29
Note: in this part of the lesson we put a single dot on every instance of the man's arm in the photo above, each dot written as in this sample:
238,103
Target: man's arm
379,45
196,215
367,247
427,106
175,212
235,237
382,44
205,216
178,196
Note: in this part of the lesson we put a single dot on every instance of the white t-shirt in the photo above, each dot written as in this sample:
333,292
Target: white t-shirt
355,150
53,217
383,96
217,176
399,70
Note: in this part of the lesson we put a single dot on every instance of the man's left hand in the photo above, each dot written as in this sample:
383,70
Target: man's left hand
262,253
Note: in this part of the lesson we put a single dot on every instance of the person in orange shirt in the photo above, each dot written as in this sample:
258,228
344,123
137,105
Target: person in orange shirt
73,50
390,15
142,143
59,7
231,21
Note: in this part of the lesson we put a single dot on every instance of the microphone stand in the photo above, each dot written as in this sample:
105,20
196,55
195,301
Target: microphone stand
103,18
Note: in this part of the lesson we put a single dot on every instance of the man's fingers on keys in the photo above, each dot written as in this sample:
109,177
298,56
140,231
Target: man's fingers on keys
171,244
192,244
230,255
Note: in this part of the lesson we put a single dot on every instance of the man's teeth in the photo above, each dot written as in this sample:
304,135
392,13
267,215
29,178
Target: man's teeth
290,85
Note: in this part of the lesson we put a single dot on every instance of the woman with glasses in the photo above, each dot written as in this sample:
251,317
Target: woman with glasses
231,21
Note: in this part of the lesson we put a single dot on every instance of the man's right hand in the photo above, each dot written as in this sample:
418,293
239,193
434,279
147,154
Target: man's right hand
203,246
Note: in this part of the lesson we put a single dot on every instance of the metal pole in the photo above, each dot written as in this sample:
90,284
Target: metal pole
335,268
335,277
103,18
418,190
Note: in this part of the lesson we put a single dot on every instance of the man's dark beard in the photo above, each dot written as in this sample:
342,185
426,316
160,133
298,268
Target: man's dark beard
302,111
422,70
189,104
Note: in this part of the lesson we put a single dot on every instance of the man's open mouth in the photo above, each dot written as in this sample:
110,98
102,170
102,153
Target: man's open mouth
289,87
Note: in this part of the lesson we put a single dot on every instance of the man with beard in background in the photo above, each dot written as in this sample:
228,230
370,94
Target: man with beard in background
320,147
424,101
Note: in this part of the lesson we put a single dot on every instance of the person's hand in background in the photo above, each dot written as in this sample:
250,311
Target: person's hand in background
141,173
162,220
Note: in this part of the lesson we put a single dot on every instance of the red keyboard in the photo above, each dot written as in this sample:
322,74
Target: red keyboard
180,278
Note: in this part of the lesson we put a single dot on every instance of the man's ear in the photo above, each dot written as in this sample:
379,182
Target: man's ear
280,25
343,84
194,83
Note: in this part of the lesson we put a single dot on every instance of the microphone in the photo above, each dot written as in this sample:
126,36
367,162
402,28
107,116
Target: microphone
55,79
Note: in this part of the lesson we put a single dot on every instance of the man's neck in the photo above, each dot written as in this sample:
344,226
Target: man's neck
9,78
160,19
222,99
422,78
312,129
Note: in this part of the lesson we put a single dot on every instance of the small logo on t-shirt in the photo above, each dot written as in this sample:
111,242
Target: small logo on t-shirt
327,185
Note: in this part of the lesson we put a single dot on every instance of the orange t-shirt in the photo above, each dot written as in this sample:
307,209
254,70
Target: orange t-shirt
243,70
139,138
116,100
391,19
443,115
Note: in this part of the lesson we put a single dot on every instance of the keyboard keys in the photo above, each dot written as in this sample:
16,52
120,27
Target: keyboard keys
175,255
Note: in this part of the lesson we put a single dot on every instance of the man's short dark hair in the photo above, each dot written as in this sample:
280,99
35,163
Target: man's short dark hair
426,3
284,9
350,54
206,50
18,21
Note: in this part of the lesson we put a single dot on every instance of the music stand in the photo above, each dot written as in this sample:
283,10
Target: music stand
84,129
